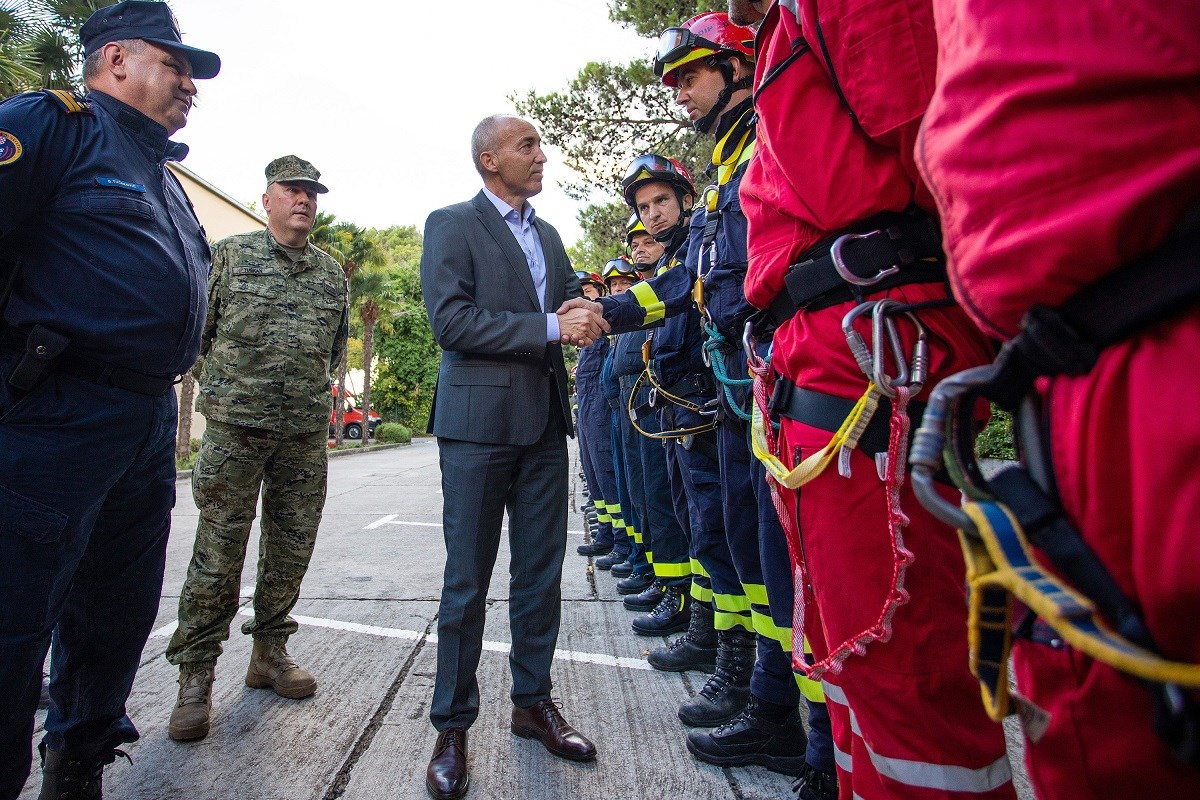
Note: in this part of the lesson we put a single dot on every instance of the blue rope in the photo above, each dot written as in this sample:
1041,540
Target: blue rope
716,360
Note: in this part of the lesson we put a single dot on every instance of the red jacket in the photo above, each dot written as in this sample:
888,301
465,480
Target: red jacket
823,163
1059,151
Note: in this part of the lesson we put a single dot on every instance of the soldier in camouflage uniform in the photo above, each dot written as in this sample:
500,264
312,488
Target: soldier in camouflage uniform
277,324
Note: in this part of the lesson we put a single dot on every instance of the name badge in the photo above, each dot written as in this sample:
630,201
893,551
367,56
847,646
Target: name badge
121,184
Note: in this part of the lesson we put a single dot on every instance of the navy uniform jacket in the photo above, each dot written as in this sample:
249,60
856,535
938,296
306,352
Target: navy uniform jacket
666,300
111,253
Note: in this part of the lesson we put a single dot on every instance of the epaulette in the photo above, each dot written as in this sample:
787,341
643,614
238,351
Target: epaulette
69,102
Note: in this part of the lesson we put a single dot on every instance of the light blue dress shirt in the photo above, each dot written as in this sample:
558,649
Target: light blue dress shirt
524,231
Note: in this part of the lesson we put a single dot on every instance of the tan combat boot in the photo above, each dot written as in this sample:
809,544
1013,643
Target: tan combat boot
271,667
190,717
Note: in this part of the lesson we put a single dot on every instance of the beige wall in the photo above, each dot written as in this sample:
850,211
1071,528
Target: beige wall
221,216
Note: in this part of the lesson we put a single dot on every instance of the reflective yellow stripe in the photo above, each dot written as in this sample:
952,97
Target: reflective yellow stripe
766,626
701,594
636,536
810,689
698,569
667,569
757,593
735,603
649,557
725,620
655,309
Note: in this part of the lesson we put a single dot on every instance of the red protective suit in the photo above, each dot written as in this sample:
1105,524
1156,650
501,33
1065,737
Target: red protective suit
1062,142
907,716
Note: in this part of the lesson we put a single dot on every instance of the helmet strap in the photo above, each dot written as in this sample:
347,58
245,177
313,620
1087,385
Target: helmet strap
725,64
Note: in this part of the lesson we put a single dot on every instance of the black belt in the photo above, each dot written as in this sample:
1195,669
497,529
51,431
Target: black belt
828,413
628,381
698,383
92,370
886,251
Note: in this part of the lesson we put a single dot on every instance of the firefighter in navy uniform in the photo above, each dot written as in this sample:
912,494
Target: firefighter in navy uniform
708,61
661,192
634,569
593,426
104,302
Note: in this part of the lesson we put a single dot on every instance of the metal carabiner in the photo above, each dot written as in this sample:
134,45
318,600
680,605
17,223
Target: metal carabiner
886,336
839,263
919,370
858,345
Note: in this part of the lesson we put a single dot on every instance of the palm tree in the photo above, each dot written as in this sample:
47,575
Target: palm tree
372,290
39,43
355,249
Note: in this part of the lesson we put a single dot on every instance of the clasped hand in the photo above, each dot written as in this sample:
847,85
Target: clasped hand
581,322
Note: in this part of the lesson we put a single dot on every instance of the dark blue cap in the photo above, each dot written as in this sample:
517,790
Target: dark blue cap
149,21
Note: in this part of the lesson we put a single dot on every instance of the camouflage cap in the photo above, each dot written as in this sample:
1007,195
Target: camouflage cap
293,169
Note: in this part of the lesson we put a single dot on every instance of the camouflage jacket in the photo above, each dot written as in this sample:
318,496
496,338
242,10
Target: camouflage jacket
275,331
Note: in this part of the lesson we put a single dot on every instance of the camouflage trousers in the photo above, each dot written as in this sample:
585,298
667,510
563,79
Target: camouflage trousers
234,461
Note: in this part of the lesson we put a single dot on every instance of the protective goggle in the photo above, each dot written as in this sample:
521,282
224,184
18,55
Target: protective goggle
649,165
618,268
675,43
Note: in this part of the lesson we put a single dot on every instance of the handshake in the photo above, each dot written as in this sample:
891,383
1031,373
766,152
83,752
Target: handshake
581,322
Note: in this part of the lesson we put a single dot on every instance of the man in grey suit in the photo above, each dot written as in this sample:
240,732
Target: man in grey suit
492,274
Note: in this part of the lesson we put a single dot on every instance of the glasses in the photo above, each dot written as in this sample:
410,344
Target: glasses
675,43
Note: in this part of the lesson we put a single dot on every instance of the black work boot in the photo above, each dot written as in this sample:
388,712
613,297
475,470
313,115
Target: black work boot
614,557
65,777
724,695
813,784
624,569
696,649
750,738
671,615
635,584
594,549
647,599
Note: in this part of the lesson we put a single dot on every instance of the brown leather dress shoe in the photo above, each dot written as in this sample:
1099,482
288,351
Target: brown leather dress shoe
447,777
543,722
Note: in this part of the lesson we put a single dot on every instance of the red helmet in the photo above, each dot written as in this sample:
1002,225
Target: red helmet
586,277
653,168
702,36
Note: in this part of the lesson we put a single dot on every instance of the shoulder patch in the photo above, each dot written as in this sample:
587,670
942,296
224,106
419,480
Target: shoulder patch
69,102
10,148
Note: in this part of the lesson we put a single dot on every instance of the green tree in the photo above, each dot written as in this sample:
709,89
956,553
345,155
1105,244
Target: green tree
39,43
408,355
358,251
603,235
650,17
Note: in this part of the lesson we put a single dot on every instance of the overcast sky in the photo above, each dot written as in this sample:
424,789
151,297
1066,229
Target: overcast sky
382,96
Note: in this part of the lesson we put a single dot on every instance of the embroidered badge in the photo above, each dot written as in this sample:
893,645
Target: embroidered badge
10,148
120,184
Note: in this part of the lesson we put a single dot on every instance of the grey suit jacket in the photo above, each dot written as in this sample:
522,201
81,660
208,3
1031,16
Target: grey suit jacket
494,383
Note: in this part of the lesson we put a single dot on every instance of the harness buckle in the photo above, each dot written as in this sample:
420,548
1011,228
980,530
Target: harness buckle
839,262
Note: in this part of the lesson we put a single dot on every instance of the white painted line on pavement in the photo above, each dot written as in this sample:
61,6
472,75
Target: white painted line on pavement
390,519
602,659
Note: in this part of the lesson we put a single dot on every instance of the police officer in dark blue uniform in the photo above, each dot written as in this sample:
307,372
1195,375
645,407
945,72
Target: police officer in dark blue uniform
104,273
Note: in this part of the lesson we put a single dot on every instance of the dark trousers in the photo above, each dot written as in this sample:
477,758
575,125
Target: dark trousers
595,455
87,482
668,543
694,467
627,452
625,524
480,481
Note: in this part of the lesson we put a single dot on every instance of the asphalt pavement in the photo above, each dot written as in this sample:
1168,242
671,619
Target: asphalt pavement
368,619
